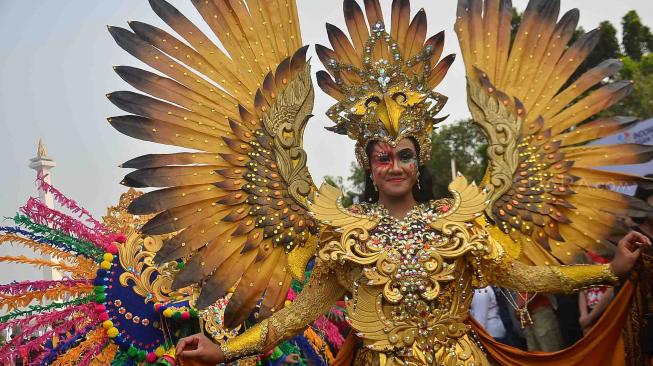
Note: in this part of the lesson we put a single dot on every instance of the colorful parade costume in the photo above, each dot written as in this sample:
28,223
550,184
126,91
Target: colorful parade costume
247,215
105,307
243,214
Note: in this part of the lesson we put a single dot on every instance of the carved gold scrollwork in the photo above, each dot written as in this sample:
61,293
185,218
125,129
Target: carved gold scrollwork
501,126
150,282
135,255
285,122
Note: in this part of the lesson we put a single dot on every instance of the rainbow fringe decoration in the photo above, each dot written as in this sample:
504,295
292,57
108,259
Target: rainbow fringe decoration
72,320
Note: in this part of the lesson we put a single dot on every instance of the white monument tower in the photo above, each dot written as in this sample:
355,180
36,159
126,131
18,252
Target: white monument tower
43,164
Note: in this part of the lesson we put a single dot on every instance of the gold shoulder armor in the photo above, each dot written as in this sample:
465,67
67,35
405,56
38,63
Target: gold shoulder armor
469,202
328,210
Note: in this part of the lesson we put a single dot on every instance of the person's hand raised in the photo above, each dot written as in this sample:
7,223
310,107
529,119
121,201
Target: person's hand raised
198,348
627,253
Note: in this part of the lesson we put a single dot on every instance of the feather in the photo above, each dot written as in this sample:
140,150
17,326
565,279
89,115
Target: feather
298,61
170,90
181,52
464,34
219,18
200,42
180,217
609,201
282,75
600,99
476,35
529,18
328,86
146,106
590,78
170,176
542,89
595,130
605,155
440,70
219,283
536,47
194,237
400,17
163,132
343,49
593,177
437,43
572,57
275,295
504,32
164,199
355,20
415,35
250,289
374,16
162,160
490,34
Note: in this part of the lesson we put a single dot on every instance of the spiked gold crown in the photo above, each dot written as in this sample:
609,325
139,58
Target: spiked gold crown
384,85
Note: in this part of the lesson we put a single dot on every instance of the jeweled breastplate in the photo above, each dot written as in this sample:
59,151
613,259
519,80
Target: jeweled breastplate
416,285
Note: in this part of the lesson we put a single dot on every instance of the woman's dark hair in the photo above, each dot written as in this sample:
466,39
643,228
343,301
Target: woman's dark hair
425,181
643,193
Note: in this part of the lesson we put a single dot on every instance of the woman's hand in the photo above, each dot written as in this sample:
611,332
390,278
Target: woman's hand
291,359
627,252
198,348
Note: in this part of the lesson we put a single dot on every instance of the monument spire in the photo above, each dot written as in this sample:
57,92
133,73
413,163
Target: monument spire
42,163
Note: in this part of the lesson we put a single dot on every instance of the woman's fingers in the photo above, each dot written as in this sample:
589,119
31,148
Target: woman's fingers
641,238
187,342
634,240
194,353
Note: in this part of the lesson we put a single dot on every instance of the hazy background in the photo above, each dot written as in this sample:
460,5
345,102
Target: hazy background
55,68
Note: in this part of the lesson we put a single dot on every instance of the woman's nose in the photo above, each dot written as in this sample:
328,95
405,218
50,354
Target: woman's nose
395,168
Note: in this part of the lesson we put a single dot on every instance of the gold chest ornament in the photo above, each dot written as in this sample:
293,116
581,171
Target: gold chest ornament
416,283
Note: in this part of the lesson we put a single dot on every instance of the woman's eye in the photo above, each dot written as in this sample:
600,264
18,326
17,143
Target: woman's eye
406,154
383,158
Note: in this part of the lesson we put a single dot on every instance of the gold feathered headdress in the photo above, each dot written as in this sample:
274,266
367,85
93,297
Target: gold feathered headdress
383,81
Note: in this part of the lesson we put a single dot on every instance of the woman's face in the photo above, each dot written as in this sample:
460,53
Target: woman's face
394,169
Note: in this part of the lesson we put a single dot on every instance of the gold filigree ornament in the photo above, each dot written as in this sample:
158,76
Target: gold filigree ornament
413,295
148,281
501,122
211,320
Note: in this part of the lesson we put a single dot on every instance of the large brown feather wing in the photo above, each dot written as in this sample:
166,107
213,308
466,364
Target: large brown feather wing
546,190
236,202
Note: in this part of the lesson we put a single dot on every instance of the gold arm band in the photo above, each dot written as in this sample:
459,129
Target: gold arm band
577,277
552,279
248,343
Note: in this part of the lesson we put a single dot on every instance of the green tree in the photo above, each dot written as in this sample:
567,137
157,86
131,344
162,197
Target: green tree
349,195
637,38
640,102
463,142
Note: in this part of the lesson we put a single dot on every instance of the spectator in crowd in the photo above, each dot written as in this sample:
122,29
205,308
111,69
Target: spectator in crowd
593,301
645,226
514,335
568,314
544,332
485,310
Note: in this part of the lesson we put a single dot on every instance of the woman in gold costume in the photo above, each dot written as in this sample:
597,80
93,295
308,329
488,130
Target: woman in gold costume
246,216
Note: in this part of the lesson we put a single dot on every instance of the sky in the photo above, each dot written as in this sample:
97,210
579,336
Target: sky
56,64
